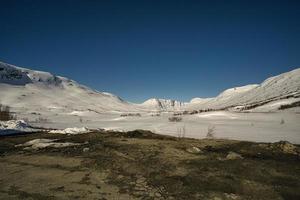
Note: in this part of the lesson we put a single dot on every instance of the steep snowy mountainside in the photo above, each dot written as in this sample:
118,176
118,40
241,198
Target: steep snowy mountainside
236,91
24,89
12,75
286,85
163,104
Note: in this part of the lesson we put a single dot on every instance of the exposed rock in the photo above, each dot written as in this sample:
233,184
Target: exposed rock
231,196
194,150
286,147
157,194
37,144
233,156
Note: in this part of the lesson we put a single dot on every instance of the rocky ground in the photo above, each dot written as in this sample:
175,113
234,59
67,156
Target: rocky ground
143,165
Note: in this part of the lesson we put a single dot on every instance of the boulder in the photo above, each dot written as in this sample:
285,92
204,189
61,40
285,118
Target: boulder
233,156
286,147
194,150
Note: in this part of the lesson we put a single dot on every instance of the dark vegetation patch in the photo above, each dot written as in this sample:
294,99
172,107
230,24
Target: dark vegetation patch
292,105
5,113
25,195
148,166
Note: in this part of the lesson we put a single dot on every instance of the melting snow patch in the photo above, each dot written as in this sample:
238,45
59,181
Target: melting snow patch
71,131
14,127
13,124
113,129
43,143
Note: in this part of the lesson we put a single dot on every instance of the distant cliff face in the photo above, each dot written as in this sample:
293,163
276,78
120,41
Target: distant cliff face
163,104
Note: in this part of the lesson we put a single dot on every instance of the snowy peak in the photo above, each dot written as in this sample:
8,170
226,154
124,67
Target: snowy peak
23,89
10,74
14,75
200,100
163,104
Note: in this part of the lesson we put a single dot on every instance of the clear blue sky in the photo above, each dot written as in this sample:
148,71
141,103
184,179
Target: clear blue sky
153,48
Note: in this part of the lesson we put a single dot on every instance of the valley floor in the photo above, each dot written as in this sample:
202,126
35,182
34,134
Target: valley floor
142,165
257,127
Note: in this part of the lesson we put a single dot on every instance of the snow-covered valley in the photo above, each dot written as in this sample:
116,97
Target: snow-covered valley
265,112
260,127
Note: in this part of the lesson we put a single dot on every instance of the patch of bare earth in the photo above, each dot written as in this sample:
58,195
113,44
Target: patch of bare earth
143,165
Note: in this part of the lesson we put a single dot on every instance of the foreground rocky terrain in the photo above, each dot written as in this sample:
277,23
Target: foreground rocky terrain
143,165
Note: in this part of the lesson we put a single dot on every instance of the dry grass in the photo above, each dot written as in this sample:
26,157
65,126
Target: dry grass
143,165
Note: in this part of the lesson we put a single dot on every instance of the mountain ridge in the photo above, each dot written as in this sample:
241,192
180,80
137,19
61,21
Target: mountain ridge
22,87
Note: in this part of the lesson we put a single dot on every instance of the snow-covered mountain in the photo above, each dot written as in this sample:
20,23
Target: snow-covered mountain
200,100
163,104
29,91
33,91
275,89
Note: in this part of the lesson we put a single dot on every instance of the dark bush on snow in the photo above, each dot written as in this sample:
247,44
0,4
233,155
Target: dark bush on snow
175,119
292,105
131,115
5,113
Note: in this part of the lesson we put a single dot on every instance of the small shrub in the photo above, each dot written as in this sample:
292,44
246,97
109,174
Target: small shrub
175,119
41,120
177,114
181,132
193,112
292,105
131,115
210,132
5,114
282,121
155,115
185,112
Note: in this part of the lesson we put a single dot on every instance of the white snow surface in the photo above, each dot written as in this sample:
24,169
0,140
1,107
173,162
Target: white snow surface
71,131
43,143
56,102
14,126
258,127
200,100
